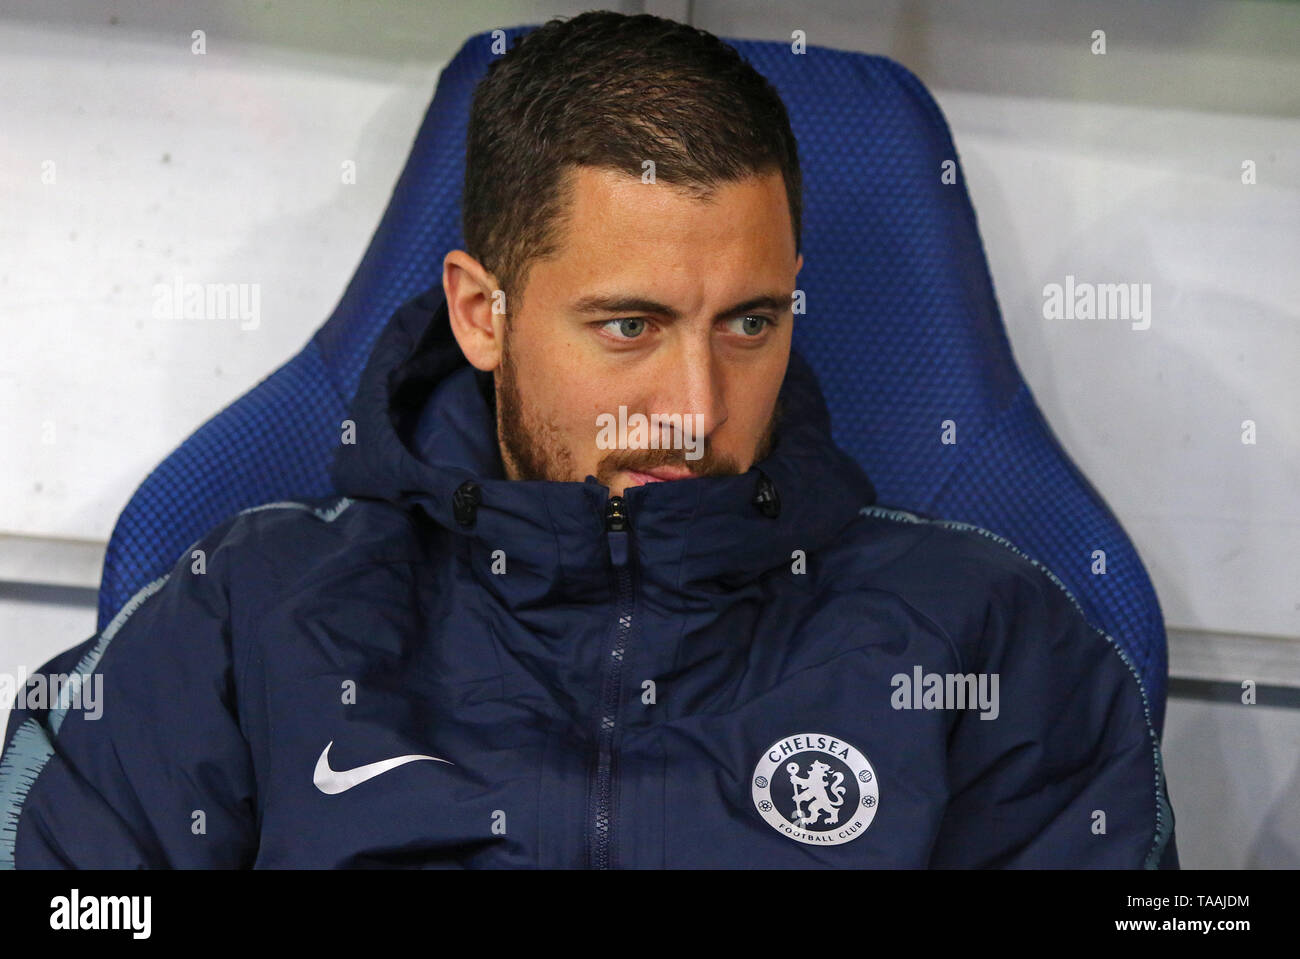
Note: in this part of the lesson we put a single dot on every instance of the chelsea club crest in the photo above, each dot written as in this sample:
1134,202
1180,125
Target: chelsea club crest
816,788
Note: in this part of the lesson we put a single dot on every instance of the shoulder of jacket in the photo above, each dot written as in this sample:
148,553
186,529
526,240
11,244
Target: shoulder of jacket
918,545
955,573
276,524
988,568
314,532
266,547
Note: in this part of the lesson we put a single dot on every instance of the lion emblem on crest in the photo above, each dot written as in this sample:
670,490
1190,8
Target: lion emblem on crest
814,790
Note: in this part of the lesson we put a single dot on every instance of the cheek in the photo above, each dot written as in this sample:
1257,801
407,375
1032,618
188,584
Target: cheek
569,402
541,370
756,391
587,403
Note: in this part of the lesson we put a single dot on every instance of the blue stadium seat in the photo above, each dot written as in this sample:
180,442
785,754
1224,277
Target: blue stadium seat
902,328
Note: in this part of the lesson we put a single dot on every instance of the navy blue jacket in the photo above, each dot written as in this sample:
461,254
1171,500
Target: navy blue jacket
441,667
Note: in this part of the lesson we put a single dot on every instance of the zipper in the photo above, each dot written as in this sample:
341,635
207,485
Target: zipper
601,819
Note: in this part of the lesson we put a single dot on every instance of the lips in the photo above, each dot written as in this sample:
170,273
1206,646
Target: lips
661,474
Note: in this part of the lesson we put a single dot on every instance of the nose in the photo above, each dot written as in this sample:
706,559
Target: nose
694,386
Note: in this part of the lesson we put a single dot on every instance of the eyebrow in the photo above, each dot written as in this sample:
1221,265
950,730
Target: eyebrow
616,303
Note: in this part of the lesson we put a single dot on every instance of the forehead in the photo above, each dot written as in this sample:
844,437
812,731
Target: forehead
617,222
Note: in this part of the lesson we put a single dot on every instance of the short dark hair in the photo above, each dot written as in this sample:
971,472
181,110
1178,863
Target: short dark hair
609,90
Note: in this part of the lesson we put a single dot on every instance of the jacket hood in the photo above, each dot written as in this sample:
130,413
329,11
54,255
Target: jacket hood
425,437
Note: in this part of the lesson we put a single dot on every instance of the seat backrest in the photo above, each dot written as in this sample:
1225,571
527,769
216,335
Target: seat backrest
901,326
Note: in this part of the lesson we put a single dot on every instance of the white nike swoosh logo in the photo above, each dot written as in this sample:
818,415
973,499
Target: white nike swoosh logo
331,782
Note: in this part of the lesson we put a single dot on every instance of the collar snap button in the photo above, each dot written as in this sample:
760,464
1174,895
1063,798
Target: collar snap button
465,502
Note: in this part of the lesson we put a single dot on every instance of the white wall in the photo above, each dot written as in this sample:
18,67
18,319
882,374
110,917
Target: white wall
1234,772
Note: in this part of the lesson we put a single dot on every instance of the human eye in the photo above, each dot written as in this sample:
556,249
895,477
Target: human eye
628,327
752,325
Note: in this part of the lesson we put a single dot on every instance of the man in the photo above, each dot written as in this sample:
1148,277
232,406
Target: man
601,591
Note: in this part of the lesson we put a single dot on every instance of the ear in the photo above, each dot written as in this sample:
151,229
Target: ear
798,264
471,293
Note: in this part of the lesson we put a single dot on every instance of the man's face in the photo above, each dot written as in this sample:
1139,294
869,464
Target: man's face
669,306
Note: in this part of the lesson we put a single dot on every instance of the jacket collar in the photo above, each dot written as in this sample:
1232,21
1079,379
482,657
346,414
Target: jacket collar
425,427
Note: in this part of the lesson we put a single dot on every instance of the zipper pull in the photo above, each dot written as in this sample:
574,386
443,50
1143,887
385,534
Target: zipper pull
616,525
